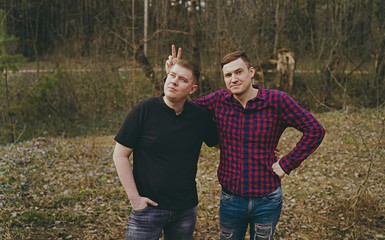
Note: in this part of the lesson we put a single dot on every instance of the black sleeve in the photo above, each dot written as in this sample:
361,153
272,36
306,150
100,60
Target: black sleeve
211,138
131,128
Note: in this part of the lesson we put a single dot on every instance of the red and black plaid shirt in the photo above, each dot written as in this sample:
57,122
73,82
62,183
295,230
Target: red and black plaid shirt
248,137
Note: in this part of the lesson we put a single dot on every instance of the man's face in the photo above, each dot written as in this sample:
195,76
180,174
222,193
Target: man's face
180,82
238,76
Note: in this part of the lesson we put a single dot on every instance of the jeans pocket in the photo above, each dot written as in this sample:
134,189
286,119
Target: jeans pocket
226,197
274,197
140,211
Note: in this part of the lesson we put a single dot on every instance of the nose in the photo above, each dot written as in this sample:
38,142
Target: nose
174,80
233,77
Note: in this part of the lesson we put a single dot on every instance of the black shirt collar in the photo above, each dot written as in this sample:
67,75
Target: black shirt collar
186,106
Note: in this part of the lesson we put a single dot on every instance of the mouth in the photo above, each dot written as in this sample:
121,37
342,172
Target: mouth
171,89
235,85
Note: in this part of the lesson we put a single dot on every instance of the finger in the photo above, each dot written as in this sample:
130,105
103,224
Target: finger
149,201
173,50
170,60
179,54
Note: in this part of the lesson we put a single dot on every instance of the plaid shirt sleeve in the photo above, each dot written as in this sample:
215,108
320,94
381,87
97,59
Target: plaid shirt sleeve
208,102
313,133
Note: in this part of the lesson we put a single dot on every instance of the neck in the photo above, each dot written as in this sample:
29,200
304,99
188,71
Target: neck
176,105
246,96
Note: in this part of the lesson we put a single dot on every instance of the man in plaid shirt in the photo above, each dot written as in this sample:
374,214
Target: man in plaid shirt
250,122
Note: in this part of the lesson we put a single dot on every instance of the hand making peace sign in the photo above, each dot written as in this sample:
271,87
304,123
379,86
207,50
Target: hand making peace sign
172,59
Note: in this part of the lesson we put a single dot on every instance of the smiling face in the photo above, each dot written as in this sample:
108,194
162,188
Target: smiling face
238,77
180,83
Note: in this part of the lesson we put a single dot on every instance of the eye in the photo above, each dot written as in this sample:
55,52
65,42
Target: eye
239,71
184,80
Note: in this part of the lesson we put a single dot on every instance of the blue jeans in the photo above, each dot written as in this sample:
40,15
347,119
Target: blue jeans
148,223
262,213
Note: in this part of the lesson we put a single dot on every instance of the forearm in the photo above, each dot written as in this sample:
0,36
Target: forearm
208,102
309,142
123,167
313,133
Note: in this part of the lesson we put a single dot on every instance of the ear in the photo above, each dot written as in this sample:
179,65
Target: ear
193,89
252,71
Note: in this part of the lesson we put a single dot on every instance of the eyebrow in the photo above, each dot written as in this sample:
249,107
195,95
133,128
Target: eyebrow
181,77
233,71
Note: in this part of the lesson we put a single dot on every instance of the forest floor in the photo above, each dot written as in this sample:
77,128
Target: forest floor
67,188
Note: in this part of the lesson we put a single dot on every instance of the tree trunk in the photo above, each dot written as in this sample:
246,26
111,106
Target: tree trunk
277,26
147,68
195,32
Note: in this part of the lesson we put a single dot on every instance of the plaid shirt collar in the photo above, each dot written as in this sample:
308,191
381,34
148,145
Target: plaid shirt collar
261,96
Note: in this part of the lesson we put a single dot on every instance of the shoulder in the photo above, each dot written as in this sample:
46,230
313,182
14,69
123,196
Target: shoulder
144,108
272,94
223,93
199,113
147,103
195,108
219,94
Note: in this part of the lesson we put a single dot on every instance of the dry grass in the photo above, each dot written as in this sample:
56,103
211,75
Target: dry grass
68,188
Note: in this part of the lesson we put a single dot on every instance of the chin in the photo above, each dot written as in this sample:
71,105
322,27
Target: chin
169,94
238,93
235,91
171,97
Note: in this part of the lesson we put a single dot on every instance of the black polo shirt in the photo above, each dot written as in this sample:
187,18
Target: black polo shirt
166,150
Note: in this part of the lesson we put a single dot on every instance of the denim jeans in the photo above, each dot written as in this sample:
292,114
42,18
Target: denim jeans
148,223
262,213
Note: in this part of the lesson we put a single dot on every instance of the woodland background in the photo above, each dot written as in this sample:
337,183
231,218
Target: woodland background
72,69
84,60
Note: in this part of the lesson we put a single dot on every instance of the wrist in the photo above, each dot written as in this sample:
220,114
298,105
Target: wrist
283,167
132,196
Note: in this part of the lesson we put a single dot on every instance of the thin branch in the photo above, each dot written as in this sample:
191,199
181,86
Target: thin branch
156,33
159,31
22,132
315,98
370,151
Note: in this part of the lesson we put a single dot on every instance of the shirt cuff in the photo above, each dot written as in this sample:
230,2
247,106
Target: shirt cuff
286,165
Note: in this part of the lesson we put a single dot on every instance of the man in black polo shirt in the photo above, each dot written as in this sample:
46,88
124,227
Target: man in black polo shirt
165,135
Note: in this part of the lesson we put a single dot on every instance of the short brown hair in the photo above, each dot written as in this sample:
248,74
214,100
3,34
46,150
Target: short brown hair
191,66
234,56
